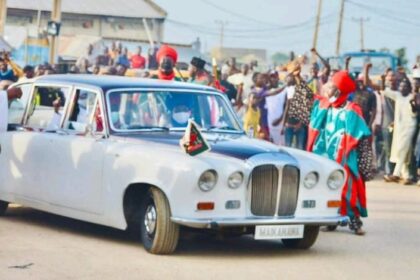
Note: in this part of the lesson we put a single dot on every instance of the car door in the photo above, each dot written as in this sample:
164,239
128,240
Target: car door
10,164
79,149
27,169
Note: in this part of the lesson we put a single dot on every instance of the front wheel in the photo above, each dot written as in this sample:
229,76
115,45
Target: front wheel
310,234
3,207
158,233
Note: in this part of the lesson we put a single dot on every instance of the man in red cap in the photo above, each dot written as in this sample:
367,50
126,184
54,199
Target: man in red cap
166,58
337,130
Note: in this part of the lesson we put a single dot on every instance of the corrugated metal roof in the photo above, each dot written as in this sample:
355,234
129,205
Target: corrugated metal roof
117,8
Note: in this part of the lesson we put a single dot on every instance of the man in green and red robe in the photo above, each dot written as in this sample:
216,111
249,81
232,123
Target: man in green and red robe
338,131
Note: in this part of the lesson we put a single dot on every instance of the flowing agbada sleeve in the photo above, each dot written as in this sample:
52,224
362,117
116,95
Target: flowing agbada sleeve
316,123
4,109
356,130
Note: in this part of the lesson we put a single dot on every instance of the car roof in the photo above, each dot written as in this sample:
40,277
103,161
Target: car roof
106,82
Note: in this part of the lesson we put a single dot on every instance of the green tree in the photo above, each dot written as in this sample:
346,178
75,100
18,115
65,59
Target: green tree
279,58
401,54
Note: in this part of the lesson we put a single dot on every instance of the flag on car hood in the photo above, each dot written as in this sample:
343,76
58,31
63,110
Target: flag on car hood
193,141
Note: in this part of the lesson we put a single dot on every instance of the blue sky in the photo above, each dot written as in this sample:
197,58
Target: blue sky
280,25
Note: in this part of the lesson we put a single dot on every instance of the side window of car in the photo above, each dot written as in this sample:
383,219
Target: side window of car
47,107
85,113
17,106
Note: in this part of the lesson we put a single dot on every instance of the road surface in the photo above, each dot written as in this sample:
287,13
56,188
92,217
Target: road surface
36,245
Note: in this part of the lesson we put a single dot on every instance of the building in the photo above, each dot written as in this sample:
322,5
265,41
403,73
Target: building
242,55
84,22
108,19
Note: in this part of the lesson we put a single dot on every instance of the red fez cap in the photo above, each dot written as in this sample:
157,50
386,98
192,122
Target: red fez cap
165,51
344,82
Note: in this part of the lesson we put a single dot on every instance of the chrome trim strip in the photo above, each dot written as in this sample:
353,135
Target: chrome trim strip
279,189
143,89
253,221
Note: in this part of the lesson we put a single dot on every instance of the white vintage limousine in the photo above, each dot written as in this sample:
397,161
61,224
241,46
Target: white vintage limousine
106,150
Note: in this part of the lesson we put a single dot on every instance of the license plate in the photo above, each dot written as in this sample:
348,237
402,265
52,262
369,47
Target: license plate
279,232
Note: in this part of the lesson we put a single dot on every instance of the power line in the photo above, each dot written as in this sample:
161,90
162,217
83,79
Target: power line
244,17
384,13
239,32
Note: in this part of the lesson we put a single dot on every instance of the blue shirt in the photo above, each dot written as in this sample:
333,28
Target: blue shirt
7,75
123,60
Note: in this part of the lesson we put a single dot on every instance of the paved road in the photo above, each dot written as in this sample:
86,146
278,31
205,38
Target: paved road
61,248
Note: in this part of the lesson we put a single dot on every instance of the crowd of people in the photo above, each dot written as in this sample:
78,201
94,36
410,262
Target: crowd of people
365,126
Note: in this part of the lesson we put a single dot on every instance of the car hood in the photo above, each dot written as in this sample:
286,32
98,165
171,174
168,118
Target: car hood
233,145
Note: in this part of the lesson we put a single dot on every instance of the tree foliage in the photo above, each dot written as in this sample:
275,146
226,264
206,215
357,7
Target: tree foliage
279,58
401,54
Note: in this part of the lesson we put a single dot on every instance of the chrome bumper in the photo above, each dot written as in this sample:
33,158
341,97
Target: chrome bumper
254,221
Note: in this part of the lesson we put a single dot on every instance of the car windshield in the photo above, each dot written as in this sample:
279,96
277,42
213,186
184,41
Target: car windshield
379,64
132,110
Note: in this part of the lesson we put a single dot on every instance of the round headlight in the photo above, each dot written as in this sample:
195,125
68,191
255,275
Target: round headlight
310,180
207,180
235,180
336,180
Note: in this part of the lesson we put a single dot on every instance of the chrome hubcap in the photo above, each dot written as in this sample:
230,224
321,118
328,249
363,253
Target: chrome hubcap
150,219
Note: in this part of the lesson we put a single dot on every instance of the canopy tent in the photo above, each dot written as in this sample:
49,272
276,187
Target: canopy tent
4,45
73,47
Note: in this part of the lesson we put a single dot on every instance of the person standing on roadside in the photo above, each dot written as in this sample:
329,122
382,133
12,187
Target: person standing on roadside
244,83
297,114
339,132
263,91
104,59
388,109
365,97
416,78
137,60
275,110
405,123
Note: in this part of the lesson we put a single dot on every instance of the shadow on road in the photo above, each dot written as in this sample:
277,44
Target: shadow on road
191,244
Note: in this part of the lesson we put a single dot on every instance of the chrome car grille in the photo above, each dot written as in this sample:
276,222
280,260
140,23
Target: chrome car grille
266,198
289,191
264,190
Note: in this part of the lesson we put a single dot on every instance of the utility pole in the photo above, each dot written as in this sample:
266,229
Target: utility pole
362,20
3,15
340,25
222,35
55,16
318,17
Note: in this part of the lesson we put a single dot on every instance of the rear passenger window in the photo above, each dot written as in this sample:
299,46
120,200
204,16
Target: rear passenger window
47,107
85,111
17,107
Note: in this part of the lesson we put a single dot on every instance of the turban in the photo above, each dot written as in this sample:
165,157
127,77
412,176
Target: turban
166,51
344,82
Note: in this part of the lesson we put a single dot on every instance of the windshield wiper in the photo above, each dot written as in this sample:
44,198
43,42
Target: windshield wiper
148,127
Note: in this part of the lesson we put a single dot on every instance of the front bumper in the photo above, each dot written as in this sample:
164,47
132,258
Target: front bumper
254,221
